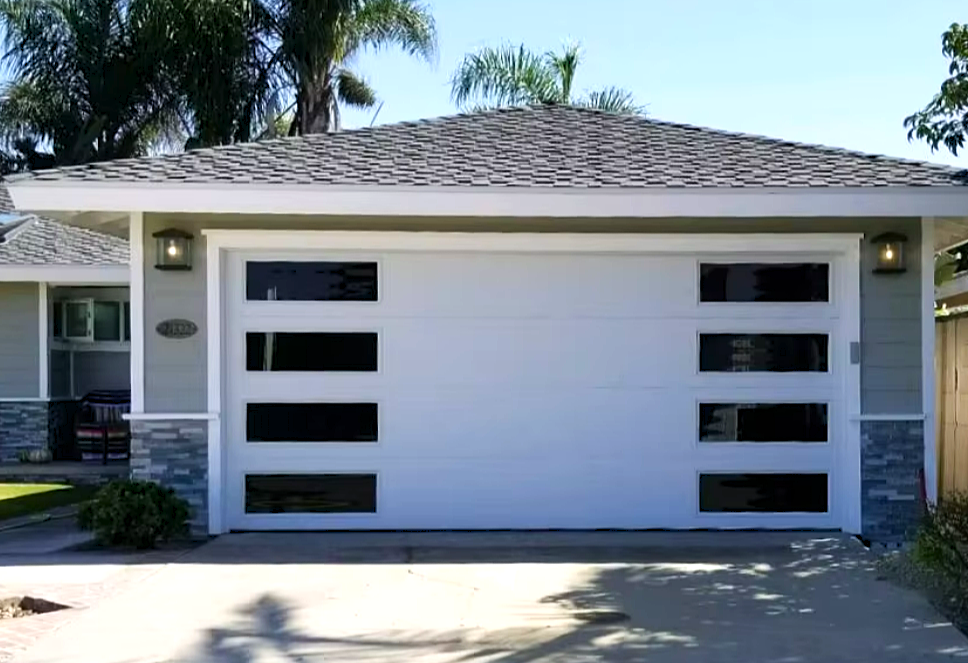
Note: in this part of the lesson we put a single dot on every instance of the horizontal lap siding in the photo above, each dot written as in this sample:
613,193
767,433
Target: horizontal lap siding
891,329
175,379
19,340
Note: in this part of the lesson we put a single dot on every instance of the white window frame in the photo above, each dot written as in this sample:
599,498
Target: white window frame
88,304
87,341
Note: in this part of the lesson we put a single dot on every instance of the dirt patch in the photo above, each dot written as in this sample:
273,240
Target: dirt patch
898,567
15,607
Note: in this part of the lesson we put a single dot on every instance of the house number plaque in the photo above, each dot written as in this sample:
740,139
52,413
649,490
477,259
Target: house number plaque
176,328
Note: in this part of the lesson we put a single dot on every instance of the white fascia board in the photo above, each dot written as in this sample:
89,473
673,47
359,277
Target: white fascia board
59,196
529,242
66,274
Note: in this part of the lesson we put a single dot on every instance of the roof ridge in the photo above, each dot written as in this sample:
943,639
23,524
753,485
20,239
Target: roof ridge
9,231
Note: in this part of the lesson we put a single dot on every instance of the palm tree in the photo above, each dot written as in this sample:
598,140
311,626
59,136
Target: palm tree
84,81
318,40
100,79
517,76
245,67
221,58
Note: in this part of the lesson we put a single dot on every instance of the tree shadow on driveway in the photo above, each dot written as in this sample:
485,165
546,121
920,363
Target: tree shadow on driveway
814,603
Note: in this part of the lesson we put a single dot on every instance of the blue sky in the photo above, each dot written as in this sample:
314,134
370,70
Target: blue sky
842,73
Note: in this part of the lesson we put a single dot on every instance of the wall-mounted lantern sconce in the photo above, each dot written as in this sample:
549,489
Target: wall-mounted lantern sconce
890,253
174,249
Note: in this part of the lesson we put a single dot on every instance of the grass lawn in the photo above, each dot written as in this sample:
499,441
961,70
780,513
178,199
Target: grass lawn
21,499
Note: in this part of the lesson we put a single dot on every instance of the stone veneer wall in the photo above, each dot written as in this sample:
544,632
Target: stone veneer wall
892,464
174,453
23,427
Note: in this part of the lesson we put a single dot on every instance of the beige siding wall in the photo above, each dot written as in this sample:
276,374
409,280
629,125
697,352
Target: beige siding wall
890,308
19,340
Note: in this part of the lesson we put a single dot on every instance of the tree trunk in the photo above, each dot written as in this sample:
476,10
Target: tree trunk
313,106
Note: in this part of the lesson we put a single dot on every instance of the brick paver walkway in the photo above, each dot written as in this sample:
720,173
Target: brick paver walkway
79,580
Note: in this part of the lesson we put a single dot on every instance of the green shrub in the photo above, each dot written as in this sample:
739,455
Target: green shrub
942,543
134,513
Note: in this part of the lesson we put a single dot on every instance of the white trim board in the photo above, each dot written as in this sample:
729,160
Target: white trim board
136,297
887,417
213,322
43,332
851,472
530,242
927,358
484,201
845,246
171,416
66,274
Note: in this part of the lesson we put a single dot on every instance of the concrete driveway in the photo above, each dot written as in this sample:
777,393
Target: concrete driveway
510,598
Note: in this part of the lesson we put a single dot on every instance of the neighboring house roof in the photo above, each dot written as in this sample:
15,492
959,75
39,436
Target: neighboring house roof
537,146
33,240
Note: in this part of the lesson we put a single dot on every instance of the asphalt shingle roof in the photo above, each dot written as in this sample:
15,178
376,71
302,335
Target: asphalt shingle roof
39,241
538,146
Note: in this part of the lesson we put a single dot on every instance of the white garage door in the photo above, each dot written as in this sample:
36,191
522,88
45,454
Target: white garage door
430,390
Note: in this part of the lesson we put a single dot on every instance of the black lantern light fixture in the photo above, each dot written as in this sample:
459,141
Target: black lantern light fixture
174,249
890,253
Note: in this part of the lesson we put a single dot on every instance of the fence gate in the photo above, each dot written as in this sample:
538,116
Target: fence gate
951,410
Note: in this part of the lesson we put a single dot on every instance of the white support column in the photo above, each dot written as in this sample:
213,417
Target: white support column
849,488
137,285
43,329
213,326
927,358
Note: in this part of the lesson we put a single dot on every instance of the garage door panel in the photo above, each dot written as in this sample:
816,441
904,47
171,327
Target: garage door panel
764,456
438,494
520,424
519,285
592,353
478,423
549,494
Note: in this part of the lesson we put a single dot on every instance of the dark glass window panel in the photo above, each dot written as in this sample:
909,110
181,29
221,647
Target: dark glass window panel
58,321
311,422
310,493
763,282
127,321
782,353
107,321
311,351
311,281
763,422
763,493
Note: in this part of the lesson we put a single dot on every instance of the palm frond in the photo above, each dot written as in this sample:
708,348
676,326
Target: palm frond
504,76
612,100
405,24
353,90
565,65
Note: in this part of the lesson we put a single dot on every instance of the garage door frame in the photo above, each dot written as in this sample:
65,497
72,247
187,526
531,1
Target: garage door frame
843,247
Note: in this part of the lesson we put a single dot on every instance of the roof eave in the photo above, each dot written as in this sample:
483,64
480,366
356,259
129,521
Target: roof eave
58,197
67,274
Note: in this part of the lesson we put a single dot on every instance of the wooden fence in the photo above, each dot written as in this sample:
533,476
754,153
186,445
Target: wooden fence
951,407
